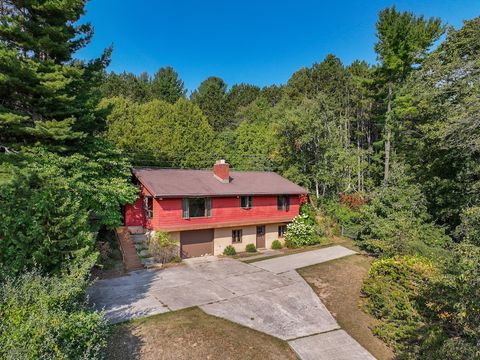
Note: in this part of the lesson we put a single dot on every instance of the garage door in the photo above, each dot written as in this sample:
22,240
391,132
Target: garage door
196,243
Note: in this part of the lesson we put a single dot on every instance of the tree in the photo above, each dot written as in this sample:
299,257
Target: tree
47,96
127,85
241,95
167,86
403,42
159,133
439,112
211,98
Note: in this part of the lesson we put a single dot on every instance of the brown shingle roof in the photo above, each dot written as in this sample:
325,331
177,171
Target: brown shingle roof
179,182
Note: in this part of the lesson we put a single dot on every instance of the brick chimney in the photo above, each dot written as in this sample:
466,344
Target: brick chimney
221,171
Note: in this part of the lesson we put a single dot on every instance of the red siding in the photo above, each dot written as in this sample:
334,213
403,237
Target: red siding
134,215
167,213
226,211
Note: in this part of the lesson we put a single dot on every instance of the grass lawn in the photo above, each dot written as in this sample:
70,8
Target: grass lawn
338,283
192,334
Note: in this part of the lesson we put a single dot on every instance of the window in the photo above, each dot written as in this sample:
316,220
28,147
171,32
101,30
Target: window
283,202
282,229
196,207
148,206
246,202
236,236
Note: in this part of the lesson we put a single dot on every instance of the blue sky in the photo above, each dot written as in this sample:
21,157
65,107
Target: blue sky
257,42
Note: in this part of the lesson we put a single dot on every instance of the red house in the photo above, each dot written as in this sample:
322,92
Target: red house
206,211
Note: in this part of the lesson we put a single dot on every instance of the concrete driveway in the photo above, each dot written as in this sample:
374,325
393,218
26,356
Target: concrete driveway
279,303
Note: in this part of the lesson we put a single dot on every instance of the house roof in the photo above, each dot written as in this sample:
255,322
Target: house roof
180,182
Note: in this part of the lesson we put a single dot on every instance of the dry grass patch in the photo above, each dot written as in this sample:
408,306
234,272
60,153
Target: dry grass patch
192,334
338,284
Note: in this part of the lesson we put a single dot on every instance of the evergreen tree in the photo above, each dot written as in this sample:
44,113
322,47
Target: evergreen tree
167,86
211,98
47,96
403,42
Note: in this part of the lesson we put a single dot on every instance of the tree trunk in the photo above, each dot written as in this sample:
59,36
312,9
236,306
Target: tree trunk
388,136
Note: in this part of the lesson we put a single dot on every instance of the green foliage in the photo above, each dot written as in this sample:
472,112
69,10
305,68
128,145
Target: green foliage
167,86
310,214
46,96
396,219
229,250
211,98
46,204
159,133
451,304
276,245
403,40
469,228
301,233
163,248
48,317
251,248
126,85
438,112
391,288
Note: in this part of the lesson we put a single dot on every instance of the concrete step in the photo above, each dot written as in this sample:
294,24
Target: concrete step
141,246
150,261
139,237
136,229
144,253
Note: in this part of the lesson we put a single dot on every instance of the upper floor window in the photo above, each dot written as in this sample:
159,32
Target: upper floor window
283,202
196,207
236,236
148,206
246,202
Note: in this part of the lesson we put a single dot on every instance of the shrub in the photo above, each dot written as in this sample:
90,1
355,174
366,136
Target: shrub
276,244
352,201
251,248
48,318
300,233
392,287
310,214
229,251
162,247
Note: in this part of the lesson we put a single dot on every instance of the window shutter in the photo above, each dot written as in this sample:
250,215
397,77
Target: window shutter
287,203
279,203
208,206
185,213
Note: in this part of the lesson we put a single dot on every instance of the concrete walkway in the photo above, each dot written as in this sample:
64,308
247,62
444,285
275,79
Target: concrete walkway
296,261
280,304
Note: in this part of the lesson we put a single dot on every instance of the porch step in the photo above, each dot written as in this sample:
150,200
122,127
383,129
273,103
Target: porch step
141,246
144,254
148,262
138,238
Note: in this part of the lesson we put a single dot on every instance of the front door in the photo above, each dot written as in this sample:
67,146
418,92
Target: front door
260,237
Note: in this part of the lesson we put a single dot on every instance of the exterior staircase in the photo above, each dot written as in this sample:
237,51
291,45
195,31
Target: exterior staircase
129,253
141,247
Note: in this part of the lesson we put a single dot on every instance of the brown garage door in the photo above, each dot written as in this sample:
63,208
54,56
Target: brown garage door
196,243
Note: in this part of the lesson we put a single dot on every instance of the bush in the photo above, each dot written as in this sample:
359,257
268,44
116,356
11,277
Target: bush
392,287
163,248
229,251
48,318
276,245
251,248
301,233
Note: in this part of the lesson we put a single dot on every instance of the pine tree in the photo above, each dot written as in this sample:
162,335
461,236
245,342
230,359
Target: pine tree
47,96
403,42
167,86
